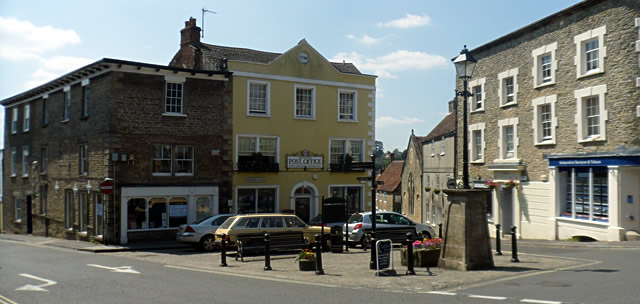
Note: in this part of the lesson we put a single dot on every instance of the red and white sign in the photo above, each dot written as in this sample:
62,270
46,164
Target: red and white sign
106,187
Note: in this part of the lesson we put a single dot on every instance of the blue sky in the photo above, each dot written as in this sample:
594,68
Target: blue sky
408,44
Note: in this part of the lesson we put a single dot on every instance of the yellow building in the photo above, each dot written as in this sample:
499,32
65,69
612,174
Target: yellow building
299,121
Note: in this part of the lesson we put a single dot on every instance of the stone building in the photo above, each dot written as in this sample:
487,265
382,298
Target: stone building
411,184
556,111
299,122
160,134
389,193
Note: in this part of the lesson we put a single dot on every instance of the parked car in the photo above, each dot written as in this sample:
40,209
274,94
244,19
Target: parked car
263,223
358,222
317,221
201,233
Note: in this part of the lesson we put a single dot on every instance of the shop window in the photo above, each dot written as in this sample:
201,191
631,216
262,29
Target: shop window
98,217
177,211
137,214
203,208
587,194
256,200
352,196
157,213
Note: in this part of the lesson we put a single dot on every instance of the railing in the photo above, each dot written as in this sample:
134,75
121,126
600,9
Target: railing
250,166
344,168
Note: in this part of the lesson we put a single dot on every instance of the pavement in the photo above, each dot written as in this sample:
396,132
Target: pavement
341,269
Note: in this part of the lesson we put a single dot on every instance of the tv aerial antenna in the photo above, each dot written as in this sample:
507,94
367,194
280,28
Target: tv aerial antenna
204,10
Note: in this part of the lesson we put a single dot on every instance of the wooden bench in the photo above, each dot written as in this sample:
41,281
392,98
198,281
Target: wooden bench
397,235
279,240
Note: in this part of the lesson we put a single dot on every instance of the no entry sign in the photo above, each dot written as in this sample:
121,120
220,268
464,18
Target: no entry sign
106,187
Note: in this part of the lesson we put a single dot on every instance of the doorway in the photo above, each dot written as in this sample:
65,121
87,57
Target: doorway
506,210
303,207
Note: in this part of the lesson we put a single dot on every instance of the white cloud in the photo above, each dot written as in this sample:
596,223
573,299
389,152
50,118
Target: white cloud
65,63
387,121
366,39
397,61
407,22
22,40
39,77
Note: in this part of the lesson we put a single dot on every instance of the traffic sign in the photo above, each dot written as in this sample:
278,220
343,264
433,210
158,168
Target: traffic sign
451,183
362,165
106,187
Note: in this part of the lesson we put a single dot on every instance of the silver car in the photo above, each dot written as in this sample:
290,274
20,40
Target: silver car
358,222
201,233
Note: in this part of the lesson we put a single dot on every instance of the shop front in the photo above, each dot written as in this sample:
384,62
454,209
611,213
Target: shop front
596,197
154,213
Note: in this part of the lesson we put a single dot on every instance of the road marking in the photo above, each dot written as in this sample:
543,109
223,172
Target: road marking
5,300
539,301
255,277
487,297
122,269
30,287
444,293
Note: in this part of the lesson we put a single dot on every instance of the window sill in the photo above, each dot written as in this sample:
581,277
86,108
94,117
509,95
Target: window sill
258,115
433,155
305,118
26,131
513,103
68,230
43,173
13,175
174,114
590,73
83,233
507,160
160,174
442,154
544,143
347,120
545,84
65,121
184,174
25,176
18,221
84,117
591,139
477,161
44,125
582,221
481,110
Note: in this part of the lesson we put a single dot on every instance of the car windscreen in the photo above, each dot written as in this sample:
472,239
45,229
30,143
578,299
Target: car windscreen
356,218
227,223
200,221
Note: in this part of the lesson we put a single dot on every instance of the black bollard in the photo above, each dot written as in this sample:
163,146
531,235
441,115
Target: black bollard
440,230
514,245
319,270
373,264
498,251
410,270
223,251
267,251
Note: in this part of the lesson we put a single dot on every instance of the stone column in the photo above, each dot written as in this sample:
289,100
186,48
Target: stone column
466,245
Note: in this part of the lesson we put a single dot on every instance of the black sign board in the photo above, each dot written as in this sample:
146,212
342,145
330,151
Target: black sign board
362,165
364,178
384,253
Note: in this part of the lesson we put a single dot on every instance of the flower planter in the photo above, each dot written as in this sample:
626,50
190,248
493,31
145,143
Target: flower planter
421,257
307,265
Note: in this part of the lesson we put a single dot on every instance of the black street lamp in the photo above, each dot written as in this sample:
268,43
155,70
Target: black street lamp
465,63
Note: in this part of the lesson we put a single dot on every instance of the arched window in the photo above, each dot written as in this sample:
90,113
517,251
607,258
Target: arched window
411,194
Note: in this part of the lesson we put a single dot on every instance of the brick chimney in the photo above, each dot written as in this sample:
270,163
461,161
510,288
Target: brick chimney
190,34
451,105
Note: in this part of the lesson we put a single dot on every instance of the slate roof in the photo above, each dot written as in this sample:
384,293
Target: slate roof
446,126
392,176
213,55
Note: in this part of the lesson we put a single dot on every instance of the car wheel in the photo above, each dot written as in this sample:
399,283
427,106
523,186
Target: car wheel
207,243
426,235
364,241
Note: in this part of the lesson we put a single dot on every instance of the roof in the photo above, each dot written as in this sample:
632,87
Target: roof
561,15
447,126
213,55
392,176
98,67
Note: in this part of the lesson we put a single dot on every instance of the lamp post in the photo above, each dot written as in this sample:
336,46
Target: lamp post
465,63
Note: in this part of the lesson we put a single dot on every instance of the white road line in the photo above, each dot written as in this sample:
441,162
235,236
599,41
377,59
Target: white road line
539,301
487,297
30,287
5,300
444,293
122,269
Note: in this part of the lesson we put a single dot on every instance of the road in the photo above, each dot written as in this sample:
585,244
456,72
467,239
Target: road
43,274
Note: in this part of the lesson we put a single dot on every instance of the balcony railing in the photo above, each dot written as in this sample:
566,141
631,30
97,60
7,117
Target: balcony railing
344,168
252,166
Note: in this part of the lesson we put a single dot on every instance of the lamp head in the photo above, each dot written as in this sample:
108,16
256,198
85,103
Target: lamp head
465,64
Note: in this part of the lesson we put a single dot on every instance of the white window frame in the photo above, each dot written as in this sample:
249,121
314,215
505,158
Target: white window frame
18,210
502,92
25,161
257,145
174,80
83,167
313,101
502,124
14,161
192,159
472,101
66,110
354,105
267,85
14,120
538,54
472,147
580,58
153,159
26,122
581,96
537,104
347,148
442,146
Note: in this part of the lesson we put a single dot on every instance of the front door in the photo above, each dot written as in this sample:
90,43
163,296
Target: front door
506,210
303,207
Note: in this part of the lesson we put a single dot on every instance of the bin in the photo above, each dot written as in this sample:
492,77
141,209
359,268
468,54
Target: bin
337,239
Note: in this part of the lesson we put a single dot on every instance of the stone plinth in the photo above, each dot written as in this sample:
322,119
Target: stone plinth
466,243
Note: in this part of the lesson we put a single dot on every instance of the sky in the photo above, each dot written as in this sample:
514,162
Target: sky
407,44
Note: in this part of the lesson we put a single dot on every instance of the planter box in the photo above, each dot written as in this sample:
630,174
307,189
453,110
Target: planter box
421,257
306,265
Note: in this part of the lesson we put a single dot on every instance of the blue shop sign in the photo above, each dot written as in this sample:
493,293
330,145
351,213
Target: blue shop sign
595,162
